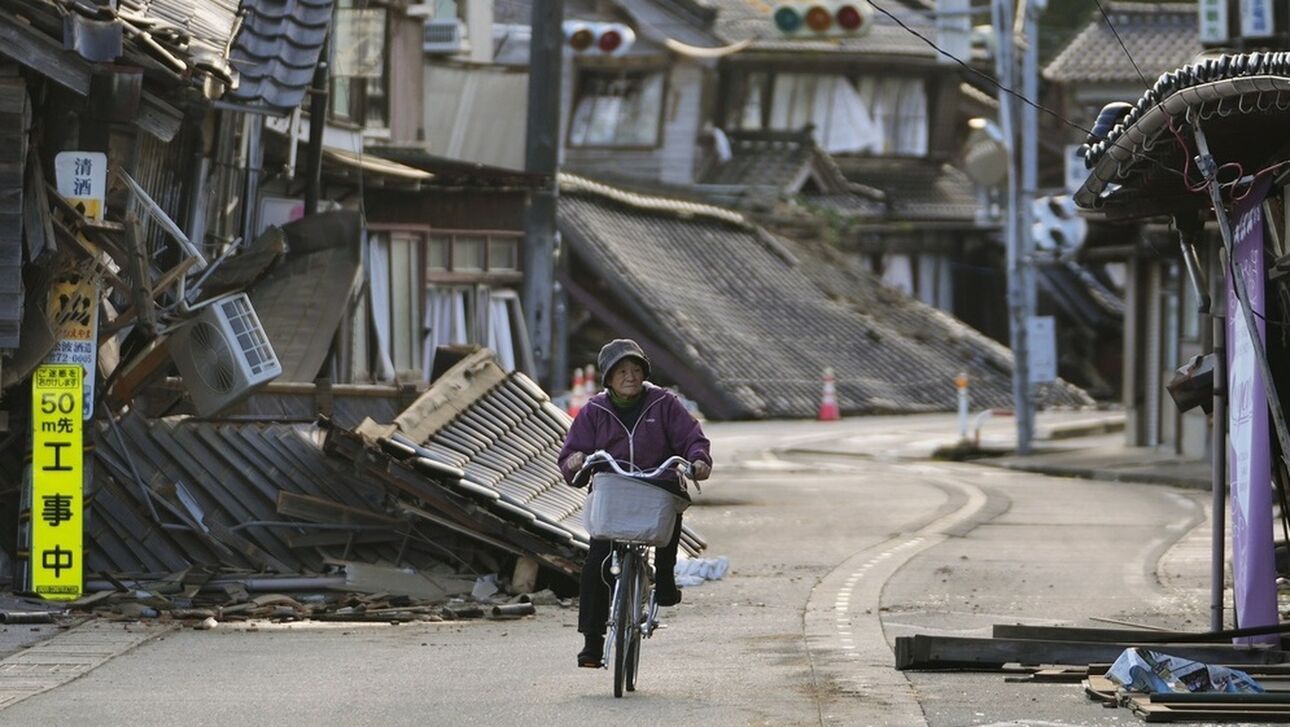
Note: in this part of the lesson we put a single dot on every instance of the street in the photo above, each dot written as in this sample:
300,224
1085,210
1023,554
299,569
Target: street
832,557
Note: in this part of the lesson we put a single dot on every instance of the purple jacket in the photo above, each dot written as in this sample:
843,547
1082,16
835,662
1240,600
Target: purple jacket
664,429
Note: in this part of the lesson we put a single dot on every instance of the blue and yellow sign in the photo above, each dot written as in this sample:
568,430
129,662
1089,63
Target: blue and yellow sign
57,517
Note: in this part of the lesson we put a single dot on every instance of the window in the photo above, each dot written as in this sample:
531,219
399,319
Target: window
473,256
899,107
407,291
358,79
879,115
617,108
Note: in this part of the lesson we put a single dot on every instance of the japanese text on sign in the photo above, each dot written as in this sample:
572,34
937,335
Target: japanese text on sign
56,470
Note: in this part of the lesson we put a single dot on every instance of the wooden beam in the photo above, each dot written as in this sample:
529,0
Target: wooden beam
1069,633
167,280
42,54
321,510
952,652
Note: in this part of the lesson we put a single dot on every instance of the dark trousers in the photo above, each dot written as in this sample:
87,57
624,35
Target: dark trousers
593,599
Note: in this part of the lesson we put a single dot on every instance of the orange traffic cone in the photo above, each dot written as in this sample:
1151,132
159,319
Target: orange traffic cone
577,394
829,399
589,382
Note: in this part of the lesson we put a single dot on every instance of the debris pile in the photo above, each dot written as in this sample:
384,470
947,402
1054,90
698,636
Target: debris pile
1054,654
459,496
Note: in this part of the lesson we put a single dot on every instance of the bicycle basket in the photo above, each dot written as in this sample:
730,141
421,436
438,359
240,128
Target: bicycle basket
622,508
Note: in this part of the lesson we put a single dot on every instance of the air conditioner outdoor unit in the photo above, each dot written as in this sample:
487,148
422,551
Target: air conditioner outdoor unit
444,35
223,354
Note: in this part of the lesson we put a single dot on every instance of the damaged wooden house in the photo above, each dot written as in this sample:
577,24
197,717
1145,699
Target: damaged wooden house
178,234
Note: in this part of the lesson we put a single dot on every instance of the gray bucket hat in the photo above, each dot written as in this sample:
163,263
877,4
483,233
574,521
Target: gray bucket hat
615,351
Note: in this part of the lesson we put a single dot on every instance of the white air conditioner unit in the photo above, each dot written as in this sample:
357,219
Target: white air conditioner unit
444,35
223,354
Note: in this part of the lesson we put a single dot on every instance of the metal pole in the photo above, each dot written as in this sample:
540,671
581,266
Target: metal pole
1006,70
317,123
542,157
1026,237
1218,444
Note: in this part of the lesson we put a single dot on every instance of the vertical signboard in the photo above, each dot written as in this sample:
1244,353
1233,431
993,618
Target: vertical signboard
81,177
1249,472
1213,21
1256,18
1042,333
57,463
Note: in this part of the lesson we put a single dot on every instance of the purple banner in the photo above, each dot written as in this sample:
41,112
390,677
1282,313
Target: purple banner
1249,466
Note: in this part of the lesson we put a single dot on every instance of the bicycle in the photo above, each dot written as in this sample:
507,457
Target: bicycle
633,530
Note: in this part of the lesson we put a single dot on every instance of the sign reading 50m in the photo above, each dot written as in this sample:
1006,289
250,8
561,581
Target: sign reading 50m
57,524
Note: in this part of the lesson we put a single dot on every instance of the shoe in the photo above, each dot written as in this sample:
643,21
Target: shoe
667,594
592,651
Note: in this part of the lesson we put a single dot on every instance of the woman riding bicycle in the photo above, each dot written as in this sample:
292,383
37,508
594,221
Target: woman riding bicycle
640,425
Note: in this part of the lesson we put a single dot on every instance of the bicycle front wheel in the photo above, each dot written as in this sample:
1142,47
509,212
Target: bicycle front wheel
637,608
623,626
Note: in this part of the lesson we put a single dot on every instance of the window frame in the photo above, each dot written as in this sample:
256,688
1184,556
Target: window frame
580,71
359,113
735,101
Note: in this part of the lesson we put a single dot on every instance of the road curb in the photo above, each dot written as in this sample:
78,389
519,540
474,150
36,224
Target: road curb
1098,474
68,656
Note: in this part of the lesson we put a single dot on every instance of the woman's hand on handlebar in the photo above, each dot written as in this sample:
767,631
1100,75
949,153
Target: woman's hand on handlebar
574,462
700,470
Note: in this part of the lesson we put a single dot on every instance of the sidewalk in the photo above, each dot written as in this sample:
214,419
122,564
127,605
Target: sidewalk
1088,445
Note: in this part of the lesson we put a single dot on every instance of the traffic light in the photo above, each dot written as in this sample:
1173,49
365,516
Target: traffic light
603,39
824,19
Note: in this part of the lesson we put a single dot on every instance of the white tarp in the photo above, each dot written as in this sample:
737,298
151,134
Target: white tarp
842,122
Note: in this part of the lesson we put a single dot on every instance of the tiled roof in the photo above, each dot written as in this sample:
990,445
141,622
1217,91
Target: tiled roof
755,324
1160,37
203,30
763,159
218,477
493,437
739,20
276,50
916,189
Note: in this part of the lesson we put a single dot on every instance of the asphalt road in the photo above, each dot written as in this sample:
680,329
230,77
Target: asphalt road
832,557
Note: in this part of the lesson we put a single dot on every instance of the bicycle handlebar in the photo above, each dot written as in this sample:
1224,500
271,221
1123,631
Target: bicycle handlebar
600,456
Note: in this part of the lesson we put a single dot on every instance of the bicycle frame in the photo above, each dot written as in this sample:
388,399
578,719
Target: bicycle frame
633,607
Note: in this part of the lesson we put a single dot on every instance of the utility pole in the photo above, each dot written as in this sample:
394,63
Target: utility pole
1025,404
1015,221
542,152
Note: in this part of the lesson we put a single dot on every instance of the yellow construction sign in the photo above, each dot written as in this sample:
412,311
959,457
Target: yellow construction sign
57,506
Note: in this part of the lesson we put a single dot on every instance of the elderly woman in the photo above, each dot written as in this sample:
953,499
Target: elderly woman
640,425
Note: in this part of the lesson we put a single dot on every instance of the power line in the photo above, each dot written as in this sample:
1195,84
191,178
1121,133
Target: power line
1123,47
981,74
1019,96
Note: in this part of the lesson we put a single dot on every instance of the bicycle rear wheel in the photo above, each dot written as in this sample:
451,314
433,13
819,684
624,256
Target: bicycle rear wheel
637,609
622,621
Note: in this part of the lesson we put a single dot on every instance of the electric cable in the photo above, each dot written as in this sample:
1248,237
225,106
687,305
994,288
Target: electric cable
1120,40
1015,94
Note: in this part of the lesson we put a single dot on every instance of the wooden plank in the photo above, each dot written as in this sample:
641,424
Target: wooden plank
163,284
952,652
37,51
337,538
452,394
1074,633
1165,713
321,510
